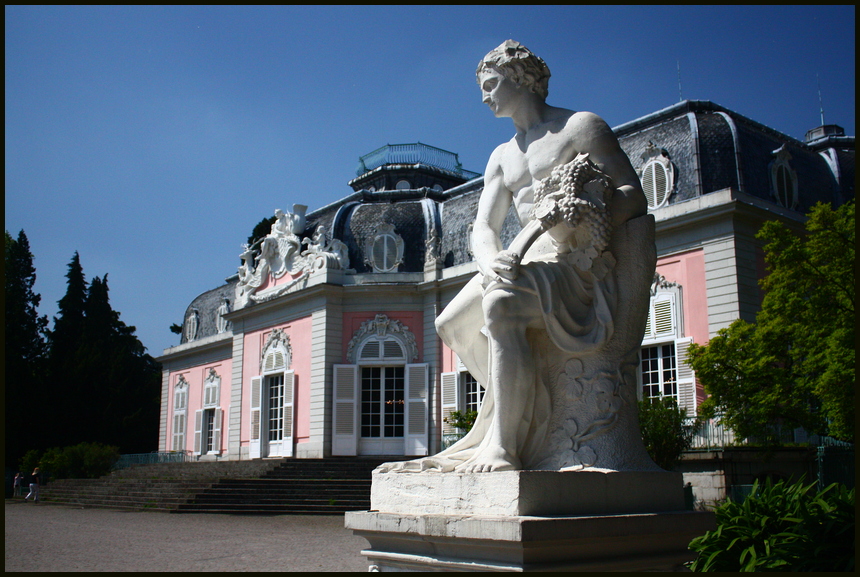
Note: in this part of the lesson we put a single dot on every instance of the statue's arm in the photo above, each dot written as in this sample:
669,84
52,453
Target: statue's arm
493,208
592,135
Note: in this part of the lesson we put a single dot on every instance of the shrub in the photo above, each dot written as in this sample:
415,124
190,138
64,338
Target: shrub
781,527
664,432
82,461
29,461
463,420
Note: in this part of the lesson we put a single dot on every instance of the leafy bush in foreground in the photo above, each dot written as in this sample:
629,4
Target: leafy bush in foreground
81,461
781,527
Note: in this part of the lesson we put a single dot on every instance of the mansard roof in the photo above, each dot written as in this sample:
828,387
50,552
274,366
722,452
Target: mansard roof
714,148
207,305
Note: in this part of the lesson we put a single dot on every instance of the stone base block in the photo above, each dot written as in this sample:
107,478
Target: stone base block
643,542
528,493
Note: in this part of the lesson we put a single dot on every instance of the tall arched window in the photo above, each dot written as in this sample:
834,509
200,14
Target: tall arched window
380,401
272,400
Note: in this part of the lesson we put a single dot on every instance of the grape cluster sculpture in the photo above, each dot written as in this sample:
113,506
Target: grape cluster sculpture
576,194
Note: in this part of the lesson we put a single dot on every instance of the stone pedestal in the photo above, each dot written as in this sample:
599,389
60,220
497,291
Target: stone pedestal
528,520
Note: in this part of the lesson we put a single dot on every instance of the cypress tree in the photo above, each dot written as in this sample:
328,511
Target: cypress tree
24,348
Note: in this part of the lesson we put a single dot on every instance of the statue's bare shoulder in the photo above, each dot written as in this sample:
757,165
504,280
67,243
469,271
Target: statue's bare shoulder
589,133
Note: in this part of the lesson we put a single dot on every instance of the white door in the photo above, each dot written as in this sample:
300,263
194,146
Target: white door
278,413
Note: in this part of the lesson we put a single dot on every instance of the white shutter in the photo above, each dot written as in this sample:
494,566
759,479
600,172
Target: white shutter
179,432
664,315
345,401
289,412
450,400
686,377
216,430
256,416
198,431
415,440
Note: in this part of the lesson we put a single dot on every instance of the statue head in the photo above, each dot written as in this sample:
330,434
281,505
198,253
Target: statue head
518,64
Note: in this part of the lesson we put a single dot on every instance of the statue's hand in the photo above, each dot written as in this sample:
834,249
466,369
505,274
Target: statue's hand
507,265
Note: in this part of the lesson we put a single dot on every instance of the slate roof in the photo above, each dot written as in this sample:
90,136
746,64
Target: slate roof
207,306
713,148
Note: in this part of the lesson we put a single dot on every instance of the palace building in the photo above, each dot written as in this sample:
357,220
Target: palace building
324,343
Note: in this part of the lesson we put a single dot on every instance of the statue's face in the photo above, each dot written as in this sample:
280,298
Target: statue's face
499,93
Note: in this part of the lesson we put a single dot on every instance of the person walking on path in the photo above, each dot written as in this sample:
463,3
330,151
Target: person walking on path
16,484
35,481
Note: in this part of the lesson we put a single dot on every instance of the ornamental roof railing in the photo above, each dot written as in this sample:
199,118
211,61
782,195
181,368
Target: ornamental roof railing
417,153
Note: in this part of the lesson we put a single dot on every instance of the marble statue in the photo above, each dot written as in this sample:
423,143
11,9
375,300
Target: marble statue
222,324
279,253
551,326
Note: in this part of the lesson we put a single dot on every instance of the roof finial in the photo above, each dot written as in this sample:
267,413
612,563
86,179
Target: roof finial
820,103
680,95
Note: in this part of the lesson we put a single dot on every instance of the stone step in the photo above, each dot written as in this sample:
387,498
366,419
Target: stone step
275,509
283,486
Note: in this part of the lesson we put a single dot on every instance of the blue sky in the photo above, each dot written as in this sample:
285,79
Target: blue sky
153,139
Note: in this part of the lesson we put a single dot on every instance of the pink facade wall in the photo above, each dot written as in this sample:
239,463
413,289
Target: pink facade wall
449,359
688,270
195,377
413,320
299,332
272,282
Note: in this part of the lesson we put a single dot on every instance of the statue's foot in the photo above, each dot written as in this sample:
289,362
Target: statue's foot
489,459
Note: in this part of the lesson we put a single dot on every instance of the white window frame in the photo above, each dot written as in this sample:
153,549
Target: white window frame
665,325
180,413
455,398
207,431
211,390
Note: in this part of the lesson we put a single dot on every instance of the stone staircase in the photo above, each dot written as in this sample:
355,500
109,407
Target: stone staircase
284,486
296,486
158,487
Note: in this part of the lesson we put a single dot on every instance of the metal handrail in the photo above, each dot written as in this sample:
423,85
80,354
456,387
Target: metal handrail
413,154
151,458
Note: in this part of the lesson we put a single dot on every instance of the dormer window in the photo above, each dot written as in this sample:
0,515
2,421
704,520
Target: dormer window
402,185
657,175
384,250
783,179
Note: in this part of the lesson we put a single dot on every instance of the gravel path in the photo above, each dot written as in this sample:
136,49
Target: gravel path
60,538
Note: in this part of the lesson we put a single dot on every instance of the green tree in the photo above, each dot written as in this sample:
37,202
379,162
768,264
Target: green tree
665,431
102,385
115,372
795,365
64,395
261,230
24,346
69,322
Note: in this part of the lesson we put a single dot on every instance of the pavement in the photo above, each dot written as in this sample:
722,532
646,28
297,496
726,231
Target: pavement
47,537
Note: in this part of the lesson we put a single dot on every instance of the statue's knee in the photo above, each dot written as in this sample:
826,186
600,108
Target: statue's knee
499,309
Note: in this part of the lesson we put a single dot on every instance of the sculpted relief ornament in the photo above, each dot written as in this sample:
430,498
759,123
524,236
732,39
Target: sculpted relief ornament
551,326
280,252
